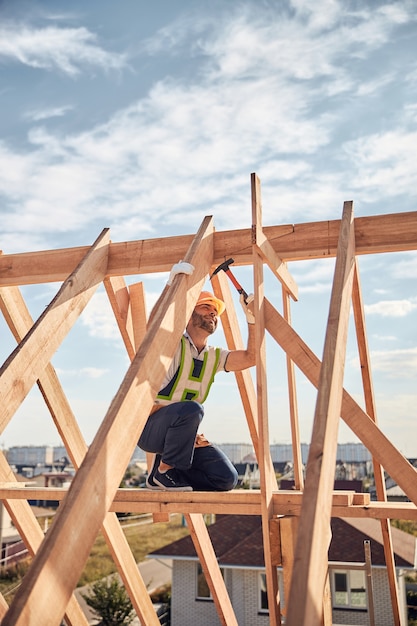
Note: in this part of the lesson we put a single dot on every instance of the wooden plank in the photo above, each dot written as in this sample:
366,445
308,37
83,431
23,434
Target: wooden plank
131,321
32,535
275,541
276,264
288,528
355,417
119,298
379,478
23,367
313,540
395,232
20,321
292,399
3,607
139,316
234,341
327,619
204,548
266,469
239,501
65,549
369,584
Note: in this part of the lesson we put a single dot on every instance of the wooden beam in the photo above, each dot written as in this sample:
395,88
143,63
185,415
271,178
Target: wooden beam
24,366
119,297
29,530
287,528
395,232
266,468
379,478
276,264
139,315
235,342
20,322
129,309
355,417
292,398
314,534
62,556
207,556
239,502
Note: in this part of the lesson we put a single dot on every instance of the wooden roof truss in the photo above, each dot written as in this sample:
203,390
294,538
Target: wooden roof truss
296,524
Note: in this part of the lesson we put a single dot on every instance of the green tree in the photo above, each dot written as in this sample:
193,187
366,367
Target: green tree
109,601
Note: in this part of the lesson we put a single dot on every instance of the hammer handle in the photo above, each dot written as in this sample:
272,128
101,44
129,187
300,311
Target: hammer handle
237,285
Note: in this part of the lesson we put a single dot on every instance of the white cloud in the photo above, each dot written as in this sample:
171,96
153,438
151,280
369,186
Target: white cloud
400,363
98,317
385,163
394,364
385,337
69,50
186,149
37,115
406,268
391,308
83,372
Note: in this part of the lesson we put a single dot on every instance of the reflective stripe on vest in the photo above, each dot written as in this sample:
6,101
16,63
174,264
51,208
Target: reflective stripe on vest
189,384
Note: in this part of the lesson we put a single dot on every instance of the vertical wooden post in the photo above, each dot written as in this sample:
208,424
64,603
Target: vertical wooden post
288,527
310,568
292,394
234,342
369,584
365,361
211,569
268,480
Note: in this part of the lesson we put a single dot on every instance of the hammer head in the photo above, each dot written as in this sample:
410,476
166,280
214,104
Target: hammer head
223,266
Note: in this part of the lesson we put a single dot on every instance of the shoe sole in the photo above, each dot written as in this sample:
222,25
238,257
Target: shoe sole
164,488
152,487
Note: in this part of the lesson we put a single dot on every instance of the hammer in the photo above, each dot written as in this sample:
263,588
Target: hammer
225,267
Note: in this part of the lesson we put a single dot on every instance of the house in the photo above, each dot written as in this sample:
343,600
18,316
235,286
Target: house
237,541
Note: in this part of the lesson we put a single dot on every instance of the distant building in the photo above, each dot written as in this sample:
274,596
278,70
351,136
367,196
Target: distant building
236,452
282,452
30,456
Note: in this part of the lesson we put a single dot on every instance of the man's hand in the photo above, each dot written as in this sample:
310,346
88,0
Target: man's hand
250,318
180,268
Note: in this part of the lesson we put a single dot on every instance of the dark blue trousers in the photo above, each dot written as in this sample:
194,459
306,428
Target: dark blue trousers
171,432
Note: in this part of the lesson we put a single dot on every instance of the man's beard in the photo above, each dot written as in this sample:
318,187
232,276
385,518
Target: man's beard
207,324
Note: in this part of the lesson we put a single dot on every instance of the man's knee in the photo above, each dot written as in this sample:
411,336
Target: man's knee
228,479
192,410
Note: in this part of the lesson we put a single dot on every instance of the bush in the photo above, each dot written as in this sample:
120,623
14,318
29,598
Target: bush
109,601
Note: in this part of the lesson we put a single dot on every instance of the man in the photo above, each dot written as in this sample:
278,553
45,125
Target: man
184,460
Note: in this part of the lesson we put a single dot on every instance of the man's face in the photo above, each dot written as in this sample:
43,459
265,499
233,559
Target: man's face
205,316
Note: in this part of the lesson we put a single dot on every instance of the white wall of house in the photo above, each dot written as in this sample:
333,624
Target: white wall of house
244,593
382,603
185,610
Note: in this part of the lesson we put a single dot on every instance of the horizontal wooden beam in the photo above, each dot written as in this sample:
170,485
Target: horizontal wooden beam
394,232
238,501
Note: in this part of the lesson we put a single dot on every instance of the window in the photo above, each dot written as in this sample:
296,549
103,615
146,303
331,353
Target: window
349,589
263,596
203,590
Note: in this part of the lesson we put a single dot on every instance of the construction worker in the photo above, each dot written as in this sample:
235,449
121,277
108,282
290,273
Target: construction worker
185,460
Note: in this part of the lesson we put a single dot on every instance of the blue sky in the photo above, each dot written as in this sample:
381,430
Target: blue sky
145,117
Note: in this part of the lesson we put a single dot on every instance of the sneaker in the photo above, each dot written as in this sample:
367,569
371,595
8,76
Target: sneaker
171,481
150,483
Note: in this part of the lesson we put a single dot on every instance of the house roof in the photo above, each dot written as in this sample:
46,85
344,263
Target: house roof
237,541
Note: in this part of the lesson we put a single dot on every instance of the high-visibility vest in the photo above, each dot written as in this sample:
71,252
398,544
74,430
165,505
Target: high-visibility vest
194,377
